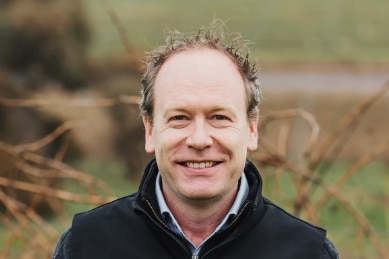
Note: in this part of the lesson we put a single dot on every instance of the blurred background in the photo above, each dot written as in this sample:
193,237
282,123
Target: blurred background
69,80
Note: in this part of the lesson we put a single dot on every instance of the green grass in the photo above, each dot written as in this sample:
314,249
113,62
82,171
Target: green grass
299,30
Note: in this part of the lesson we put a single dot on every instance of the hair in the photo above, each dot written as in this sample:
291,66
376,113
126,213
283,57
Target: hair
212,37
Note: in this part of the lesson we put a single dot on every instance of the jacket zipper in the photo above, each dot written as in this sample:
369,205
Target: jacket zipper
163,223
228,227
165,227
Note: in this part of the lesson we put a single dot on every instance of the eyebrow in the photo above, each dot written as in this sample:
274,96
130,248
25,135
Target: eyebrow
212,108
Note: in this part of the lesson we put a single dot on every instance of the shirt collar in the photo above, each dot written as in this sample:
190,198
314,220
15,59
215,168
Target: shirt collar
234,210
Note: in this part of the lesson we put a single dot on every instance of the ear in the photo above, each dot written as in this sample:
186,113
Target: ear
253,135
149,144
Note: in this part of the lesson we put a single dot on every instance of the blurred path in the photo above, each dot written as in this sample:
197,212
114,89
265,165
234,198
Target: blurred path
323,80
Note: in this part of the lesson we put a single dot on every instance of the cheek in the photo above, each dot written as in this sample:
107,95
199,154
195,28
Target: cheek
234,138
167,141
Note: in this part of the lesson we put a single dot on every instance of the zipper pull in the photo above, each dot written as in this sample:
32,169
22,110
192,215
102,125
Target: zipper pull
195,257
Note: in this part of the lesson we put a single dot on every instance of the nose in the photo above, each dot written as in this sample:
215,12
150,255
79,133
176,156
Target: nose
199,137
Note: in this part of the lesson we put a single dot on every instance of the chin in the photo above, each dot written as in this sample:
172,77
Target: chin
201,196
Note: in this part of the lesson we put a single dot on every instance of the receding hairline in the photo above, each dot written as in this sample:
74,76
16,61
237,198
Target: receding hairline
202,48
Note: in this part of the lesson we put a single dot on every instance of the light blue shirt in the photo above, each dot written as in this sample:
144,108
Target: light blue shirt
168,217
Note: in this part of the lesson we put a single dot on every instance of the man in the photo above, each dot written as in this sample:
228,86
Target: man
200,197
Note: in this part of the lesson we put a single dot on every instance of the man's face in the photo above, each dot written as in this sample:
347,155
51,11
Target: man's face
200,133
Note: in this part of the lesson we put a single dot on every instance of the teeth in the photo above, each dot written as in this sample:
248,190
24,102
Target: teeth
200,165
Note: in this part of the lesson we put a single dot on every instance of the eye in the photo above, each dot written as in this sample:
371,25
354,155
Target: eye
221,120
219,117
178,118
178,121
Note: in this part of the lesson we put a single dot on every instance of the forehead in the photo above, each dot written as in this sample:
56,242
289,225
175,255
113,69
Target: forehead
200,67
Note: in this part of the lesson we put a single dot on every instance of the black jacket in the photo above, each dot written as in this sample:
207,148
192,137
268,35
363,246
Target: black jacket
131,227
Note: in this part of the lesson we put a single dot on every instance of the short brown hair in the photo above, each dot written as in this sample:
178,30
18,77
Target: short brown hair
207,37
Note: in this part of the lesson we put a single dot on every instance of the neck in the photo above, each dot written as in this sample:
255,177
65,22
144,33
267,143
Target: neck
199,219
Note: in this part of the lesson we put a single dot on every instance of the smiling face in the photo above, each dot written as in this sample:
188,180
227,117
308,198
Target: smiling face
200,132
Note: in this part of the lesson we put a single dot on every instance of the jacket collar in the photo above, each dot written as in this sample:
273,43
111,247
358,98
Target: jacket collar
147,185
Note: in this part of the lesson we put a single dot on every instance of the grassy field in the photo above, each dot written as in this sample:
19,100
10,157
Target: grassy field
298,30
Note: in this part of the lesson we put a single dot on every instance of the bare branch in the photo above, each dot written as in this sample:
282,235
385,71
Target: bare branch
45,140
50,192
74,103
287,114
346,123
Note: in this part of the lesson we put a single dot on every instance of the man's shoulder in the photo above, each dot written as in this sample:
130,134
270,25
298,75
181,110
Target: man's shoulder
119,206
329,250
290,218
62,250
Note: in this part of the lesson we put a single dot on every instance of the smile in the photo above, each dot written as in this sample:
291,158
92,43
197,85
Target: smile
200,164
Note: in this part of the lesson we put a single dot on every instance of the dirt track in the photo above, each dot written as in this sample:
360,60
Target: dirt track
335,80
